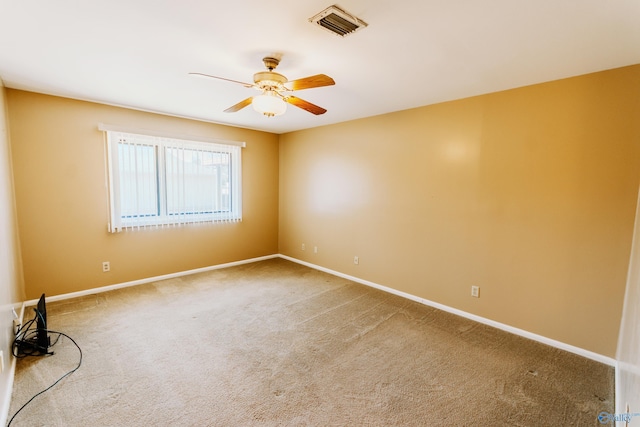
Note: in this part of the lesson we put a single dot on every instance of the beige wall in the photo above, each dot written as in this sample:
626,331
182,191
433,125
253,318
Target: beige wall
528,193
11,283
59,177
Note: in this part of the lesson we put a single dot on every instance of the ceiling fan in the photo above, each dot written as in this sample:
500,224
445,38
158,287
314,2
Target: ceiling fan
275,87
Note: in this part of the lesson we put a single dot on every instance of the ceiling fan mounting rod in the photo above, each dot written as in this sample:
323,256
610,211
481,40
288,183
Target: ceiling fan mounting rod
270,62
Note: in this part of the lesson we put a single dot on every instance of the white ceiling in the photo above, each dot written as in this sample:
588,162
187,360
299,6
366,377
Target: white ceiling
138,53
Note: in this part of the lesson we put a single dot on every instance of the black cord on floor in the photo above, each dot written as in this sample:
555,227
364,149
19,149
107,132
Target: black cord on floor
23,339
26,335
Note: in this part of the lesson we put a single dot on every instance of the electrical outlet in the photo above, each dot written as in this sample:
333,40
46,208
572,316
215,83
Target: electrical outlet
303,248
315,249
475,291
106,266
356,260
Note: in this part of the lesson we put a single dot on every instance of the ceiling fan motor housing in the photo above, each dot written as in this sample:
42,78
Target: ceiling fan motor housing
268,80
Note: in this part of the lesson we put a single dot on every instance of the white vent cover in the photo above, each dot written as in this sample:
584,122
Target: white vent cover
338,21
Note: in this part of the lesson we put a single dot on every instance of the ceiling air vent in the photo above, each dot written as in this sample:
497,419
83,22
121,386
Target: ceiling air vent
338,21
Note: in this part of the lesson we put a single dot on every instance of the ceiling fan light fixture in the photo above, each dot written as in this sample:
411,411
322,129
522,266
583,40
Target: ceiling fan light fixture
269,104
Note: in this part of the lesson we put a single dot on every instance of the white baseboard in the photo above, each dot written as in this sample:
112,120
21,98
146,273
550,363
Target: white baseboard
147,280
557,344
6,402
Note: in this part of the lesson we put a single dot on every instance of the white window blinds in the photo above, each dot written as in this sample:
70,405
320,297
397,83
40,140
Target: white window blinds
156,181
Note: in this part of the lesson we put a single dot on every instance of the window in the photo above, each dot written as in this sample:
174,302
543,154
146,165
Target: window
158,181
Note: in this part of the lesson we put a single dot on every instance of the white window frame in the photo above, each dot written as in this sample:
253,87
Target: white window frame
118,222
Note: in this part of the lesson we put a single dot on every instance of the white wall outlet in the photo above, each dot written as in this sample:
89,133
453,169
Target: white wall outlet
106,266
315,249
356,260
303,248
475,291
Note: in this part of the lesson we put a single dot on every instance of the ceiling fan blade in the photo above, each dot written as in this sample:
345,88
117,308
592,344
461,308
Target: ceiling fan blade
305,105
221,78
318,80
239,106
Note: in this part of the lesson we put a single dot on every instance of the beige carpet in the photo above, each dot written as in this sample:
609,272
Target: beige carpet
277,344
